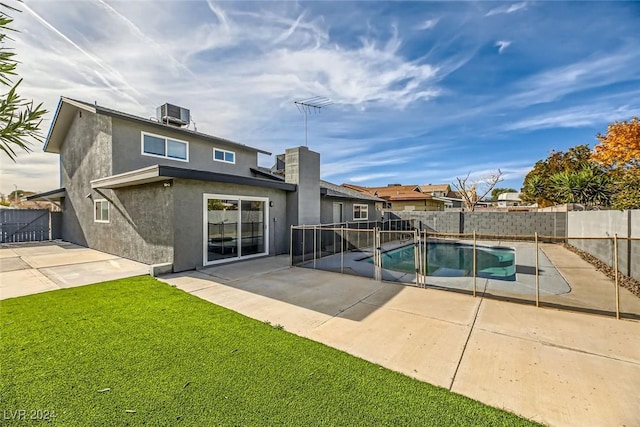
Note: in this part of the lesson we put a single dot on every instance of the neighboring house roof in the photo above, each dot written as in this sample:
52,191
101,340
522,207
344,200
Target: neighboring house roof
67,108
432,188
342,191
393,192
157,173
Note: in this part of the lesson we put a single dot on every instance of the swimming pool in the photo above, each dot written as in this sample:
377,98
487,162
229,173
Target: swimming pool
446,259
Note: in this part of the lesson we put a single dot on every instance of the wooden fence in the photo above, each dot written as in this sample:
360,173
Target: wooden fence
29,225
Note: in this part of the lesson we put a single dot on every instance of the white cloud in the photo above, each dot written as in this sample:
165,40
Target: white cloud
372,176
575,117
502,45
506,9
428,24
237,69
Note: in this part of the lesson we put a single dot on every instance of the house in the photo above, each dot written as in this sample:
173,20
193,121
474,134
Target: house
509,199
436,190
403,197
157,192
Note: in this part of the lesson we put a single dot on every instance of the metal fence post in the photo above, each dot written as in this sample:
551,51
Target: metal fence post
426,257
537,272
474,263
342,249
314,246
304,248
615,270
291,249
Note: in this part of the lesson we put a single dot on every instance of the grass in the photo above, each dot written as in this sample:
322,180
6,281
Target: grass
139,352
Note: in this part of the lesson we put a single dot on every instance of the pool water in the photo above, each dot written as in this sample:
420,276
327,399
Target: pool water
454,260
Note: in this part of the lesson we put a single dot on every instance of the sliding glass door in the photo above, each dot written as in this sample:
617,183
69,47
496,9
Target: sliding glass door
234,227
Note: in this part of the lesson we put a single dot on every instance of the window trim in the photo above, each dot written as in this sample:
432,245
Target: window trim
166,147
95,203
223,155
366,209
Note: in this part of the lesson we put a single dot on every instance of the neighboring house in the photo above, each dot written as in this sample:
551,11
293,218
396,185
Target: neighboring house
156,192
403,197
436,190
509,199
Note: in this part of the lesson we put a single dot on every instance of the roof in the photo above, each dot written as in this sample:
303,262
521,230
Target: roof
341,191
157,173
67,108
56,194
431,188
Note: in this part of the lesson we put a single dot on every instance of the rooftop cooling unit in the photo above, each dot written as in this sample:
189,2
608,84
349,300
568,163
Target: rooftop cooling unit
173,115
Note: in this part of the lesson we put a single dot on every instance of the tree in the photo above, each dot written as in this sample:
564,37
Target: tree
627,189
589,186
469,188
537,186
19,120
498,191
620,146
619,152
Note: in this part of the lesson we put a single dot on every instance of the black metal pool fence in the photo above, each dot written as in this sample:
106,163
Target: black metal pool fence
365,248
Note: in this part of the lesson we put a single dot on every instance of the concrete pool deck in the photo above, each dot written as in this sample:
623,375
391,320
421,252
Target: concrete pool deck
566,281
555,367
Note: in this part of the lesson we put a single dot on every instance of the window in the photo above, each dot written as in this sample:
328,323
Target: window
160,146
224,156
360,212
100,211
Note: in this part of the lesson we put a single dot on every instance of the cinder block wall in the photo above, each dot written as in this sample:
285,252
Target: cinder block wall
606,224
515,223
442,222
501,223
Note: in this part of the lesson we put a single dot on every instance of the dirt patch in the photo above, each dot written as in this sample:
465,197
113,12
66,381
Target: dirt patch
626,282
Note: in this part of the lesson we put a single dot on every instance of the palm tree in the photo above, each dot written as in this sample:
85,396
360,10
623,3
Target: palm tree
588,186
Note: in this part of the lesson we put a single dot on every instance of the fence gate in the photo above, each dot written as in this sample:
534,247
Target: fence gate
25,225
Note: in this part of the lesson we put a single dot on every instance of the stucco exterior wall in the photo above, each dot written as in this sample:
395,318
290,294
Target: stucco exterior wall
140,217
326,209
188,218
85,154
127,150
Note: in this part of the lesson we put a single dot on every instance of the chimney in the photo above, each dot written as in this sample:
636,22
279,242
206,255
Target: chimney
302,167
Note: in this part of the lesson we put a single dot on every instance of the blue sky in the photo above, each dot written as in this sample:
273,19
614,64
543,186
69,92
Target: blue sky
423,91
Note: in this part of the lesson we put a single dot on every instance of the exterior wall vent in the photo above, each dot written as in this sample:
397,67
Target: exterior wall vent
173,115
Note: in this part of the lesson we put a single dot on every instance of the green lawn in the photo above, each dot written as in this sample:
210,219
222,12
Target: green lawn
139,352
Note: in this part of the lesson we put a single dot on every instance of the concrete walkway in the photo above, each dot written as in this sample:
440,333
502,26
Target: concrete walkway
556,367
30,268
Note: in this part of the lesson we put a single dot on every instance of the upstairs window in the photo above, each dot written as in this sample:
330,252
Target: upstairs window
101,210
224,156
360,212
168,148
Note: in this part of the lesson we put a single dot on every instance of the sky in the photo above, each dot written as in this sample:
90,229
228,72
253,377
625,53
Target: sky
423,92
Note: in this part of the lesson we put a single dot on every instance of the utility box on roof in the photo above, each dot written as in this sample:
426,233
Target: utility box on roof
173,115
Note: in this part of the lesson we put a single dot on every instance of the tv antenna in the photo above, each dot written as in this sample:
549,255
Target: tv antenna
309,106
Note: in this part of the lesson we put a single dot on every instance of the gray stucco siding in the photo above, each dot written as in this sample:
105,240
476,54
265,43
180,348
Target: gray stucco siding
326,209
85,154
189,211
127,151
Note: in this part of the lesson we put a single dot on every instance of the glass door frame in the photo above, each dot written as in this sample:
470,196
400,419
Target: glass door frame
205,227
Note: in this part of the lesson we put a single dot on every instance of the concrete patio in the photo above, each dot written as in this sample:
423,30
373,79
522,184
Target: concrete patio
29,268
555,367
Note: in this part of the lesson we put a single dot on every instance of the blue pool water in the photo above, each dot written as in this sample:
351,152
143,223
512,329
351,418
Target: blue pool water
455,260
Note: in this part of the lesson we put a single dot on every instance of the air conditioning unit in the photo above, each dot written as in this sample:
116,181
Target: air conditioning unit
173,115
